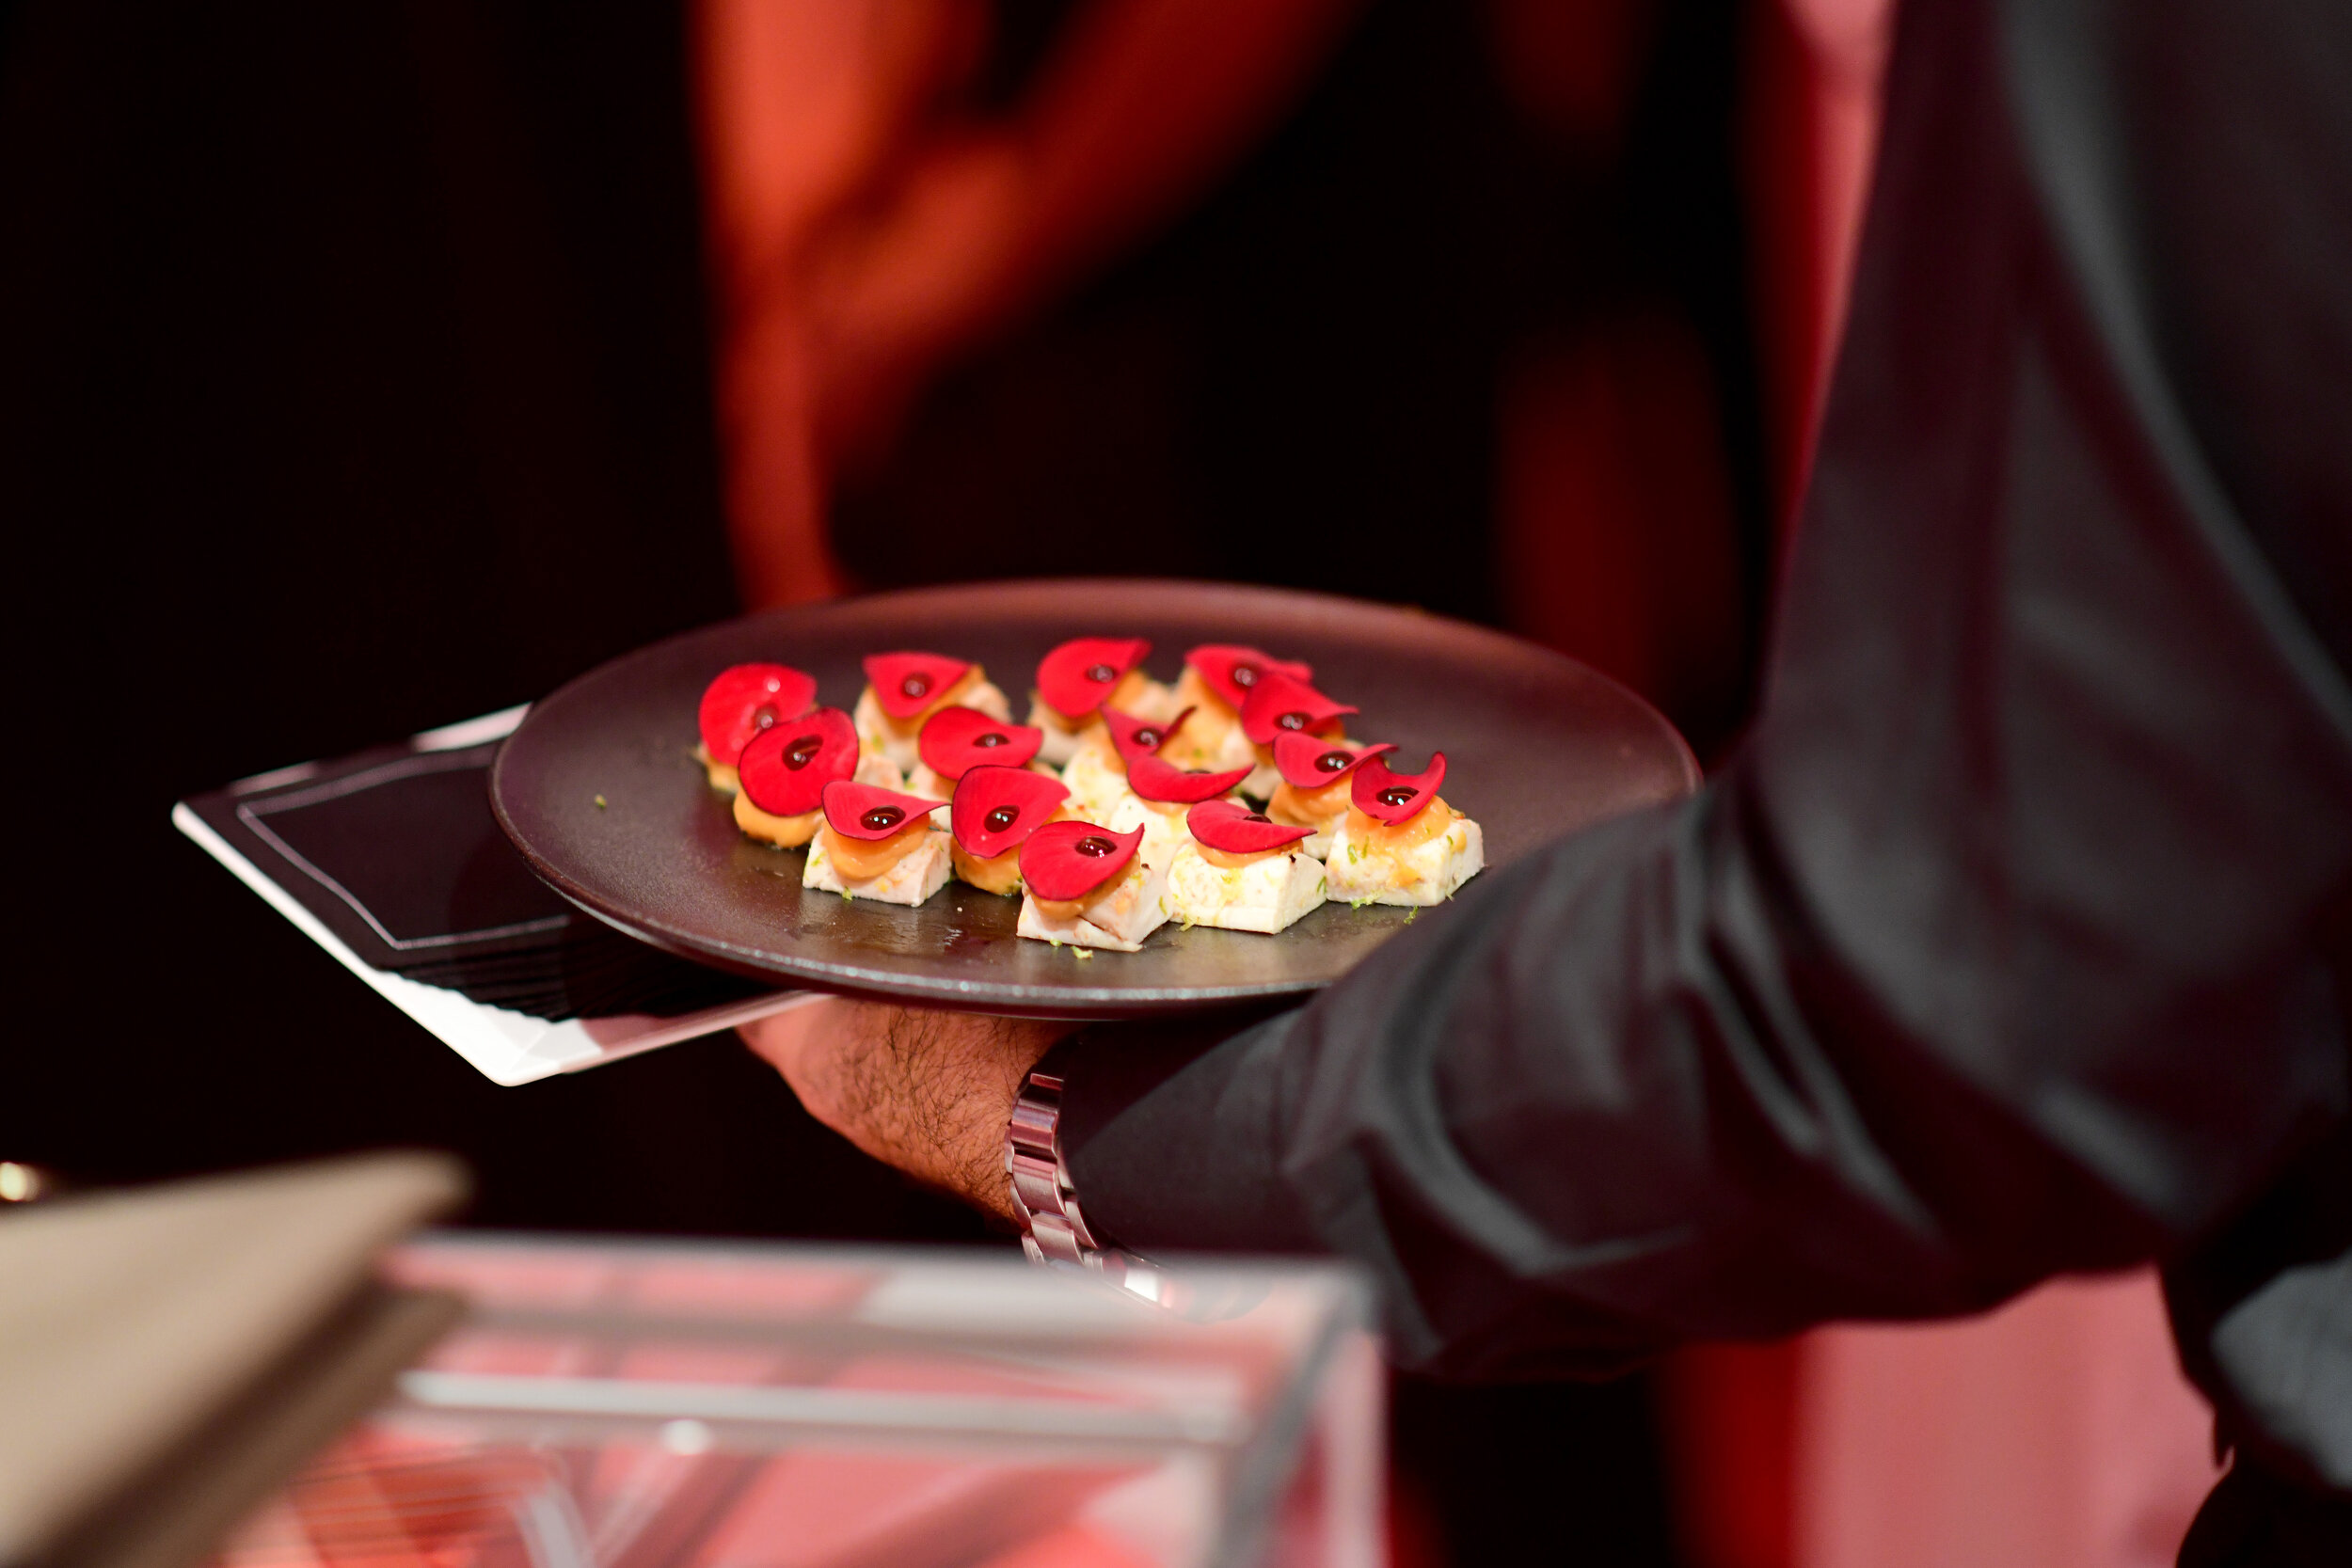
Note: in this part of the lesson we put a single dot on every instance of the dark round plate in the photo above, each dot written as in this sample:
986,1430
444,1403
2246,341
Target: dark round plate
599,791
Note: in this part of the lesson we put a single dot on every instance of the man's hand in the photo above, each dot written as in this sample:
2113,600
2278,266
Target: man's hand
927,1092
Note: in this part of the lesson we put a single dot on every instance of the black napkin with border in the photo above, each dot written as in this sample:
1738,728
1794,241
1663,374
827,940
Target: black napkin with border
395,851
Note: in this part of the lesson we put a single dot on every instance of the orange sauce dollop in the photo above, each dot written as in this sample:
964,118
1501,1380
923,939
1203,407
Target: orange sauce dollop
787,832
1415,830
1310,808
993,874
859,859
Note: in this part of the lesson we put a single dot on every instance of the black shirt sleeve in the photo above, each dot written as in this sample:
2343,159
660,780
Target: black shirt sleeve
2001,948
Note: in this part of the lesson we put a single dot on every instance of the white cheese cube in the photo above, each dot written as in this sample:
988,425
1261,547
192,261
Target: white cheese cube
932,787
1233,750
1161,821
1264,895
1096,783
873,768
894,739
1062,742
1118,916
912,877
1427,873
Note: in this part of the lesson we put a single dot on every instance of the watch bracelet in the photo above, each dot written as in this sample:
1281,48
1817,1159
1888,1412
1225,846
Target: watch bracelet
1054,1230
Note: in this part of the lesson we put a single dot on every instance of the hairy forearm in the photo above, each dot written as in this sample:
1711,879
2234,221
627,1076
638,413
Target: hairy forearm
927,1092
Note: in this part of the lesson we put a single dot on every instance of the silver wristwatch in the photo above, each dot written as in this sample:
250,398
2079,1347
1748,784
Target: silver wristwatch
1052,1232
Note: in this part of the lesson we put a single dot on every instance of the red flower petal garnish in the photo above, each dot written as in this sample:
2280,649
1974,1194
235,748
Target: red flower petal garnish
1075,677
958,739
1278,703
906,684
1238,830
1155,777
1068,860
1394,797
747,699
1231,671
996,808
787,767
1140,737
1310,762
869,811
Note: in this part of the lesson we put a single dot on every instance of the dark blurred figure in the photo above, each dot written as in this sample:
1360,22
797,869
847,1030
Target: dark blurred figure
1397,353
1468,328
353,381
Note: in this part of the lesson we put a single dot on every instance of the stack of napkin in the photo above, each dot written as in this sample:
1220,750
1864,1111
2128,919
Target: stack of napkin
394,850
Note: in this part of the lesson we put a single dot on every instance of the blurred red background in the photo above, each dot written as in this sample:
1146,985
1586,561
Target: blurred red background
363,368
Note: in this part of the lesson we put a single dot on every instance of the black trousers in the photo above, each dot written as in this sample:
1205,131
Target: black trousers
2256,1518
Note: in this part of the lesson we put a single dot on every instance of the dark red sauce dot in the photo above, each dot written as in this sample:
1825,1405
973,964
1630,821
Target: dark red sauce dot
881,817
1397,795
993,738
1094,848
1291,721
1147,738
764,717
1001,819
1245,675
1334,762
915,685
803,751
1256,817
1101,674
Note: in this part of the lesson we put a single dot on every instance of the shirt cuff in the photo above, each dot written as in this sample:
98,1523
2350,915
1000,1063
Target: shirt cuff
1169,1128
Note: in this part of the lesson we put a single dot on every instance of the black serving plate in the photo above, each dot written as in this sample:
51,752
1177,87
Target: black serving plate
1537,746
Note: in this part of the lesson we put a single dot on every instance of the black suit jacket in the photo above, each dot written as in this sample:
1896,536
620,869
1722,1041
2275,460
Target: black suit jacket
2004,945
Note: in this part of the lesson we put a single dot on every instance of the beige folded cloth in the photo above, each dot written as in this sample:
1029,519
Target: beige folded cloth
168,1354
